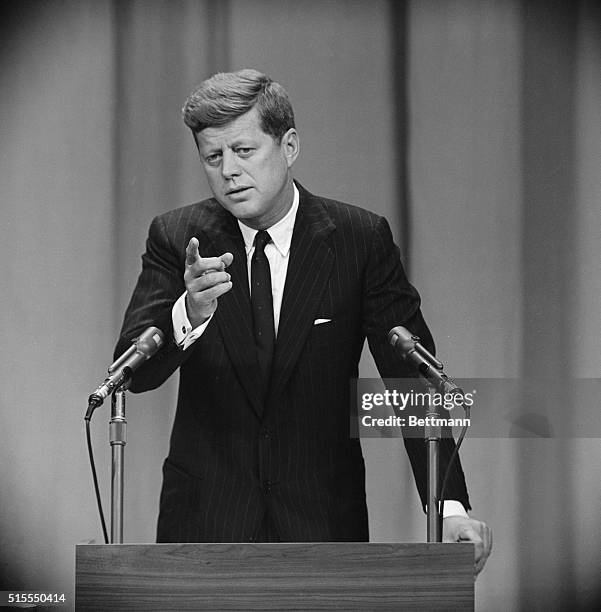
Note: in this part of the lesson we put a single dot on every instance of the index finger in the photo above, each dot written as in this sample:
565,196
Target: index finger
192,251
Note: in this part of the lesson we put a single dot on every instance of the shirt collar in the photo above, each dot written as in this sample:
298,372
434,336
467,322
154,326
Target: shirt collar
281,232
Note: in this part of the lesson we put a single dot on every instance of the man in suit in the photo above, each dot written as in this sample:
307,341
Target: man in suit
266,294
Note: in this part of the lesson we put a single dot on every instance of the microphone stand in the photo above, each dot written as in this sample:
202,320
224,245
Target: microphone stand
431,371
117,382
117,438
432,435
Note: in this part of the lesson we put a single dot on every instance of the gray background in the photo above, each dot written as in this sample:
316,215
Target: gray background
473,126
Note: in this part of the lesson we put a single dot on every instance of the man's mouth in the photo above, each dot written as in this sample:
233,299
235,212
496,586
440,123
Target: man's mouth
236,190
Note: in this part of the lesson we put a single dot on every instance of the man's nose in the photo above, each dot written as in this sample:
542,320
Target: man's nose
229,165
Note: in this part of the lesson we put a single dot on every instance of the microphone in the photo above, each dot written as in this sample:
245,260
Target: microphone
408,345
142,349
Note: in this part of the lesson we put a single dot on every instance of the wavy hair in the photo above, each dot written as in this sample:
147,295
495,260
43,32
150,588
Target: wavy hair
228,95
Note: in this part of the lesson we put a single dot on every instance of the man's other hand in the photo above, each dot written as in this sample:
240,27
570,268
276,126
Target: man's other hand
462,529
206,280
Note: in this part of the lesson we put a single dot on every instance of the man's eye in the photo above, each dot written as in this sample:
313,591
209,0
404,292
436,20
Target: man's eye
212,160
244,151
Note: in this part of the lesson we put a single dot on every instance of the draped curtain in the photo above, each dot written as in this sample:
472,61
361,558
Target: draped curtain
473,126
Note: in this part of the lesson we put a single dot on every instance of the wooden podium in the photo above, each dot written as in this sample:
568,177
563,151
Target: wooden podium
312,576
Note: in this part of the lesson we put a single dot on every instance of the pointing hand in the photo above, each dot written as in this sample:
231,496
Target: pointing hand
206,280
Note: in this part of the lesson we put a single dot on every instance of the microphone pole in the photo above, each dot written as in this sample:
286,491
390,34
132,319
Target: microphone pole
117,440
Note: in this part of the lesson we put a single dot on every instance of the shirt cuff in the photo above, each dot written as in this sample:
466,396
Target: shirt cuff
183,333
453,508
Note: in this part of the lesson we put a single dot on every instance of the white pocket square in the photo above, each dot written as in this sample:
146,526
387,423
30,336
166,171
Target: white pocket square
320,321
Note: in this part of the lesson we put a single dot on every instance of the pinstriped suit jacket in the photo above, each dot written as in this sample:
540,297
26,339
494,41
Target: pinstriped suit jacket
236,456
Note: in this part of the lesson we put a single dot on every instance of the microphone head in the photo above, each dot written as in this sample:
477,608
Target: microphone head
402,339
150,341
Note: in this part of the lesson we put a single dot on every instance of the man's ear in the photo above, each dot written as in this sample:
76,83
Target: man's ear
290,146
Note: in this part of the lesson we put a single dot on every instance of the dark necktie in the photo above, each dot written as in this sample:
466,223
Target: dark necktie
262,305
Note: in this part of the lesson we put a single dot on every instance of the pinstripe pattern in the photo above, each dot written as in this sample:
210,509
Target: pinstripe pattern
283,467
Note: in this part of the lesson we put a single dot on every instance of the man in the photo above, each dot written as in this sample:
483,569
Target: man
266,294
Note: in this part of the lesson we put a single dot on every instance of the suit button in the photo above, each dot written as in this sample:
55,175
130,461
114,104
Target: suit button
265,433
267,484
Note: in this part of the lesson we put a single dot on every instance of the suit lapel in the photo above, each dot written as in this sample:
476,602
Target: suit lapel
233,314
309,268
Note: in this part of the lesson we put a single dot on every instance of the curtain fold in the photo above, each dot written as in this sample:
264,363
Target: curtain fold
473,126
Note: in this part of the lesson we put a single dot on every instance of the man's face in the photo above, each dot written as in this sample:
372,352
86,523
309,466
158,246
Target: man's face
248,170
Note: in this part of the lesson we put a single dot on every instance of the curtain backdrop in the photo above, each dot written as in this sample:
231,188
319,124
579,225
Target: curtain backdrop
474,126
504,170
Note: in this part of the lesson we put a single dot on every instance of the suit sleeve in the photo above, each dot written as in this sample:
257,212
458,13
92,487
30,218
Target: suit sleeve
390,300
159,286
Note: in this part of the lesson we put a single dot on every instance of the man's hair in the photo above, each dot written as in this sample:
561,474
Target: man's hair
228,95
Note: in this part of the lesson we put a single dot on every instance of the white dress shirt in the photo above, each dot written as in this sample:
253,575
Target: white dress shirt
278,255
